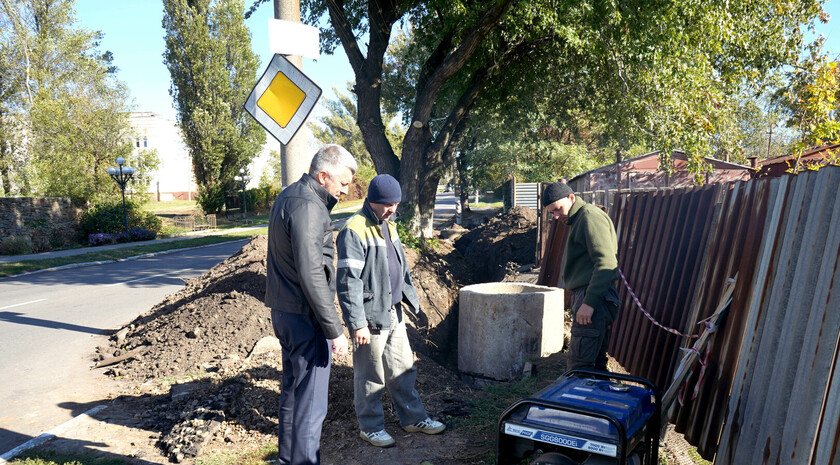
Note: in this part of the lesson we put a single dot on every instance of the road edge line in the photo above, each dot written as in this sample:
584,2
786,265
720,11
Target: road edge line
44,437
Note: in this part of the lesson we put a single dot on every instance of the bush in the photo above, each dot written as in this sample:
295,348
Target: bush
211,200
101,239
141,234
108,218
16,245
260,199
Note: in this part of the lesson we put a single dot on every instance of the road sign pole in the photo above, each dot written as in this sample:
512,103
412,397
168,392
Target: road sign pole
294,160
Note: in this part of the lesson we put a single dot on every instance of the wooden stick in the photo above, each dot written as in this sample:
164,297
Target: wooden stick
691,357
125,356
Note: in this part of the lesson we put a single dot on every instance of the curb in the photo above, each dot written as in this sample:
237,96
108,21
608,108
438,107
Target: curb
44,437
135,257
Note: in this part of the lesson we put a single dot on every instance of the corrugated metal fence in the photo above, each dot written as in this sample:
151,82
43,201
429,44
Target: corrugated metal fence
527,194
769,392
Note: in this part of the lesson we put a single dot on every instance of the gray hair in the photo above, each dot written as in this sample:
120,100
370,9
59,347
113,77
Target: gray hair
332,158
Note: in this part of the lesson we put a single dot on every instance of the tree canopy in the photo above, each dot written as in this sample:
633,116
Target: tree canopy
812,102
659,74
63,113
213,69
339,127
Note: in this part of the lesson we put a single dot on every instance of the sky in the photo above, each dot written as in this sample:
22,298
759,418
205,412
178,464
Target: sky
133,33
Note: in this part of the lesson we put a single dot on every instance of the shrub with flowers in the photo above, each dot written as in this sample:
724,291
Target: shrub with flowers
141,234
101,239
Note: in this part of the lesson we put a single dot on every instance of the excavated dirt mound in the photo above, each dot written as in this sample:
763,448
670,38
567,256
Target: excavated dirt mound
205,337
503,245
202,371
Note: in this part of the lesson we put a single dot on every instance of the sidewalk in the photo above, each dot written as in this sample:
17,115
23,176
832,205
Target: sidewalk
84,250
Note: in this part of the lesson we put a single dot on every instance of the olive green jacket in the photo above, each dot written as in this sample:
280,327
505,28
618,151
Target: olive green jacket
591,252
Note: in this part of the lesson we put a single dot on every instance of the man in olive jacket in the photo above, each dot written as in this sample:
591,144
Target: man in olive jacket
589,274
374,289
300,291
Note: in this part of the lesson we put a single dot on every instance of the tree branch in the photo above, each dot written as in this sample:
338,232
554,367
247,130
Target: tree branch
456,59
342,27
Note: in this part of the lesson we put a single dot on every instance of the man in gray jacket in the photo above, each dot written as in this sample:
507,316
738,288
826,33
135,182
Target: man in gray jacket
300,290
374,287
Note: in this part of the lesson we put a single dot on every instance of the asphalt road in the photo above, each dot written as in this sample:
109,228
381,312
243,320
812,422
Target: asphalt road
51,323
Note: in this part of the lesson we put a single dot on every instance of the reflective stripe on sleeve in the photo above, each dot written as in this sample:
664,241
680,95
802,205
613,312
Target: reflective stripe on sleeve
351,263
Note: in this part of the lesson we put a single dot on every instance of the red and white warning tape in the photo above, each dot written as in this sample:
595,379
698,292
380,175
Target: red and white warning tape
650,317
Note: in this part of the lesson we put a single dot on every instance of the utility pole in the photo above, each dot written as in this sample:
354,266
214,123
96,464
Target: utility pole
294,159
770,137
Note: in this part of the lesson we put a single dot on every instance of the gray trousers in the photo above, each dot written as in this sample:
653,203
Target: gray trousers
387,362
588,345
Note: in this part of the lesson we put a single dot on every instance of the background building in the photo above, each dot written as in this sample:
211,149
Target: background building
174,178
643,171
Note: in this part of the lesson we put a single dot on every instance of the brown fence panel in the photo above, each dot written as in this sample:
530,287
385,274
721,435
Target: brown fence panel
783,404
662,238
770,392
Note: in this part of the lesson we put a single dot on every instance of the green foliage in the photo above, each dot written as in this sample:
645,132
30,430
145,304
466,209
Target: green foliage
339,127
63,115
107,217
16,245
760,130
260,199
211,198
408,238
213,69
660,75
813,104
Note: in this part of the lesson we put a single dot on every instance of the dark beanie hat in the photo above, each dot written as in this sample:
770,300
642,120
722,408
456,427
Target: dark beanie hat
556,191
384,189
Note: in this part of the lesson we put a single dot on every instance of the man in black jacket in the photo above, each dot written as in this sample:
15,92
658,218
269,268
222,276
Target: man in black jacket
300,291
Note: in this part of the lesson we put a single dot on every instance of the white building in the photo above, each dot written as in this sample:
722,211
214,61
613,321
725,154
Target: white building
174,178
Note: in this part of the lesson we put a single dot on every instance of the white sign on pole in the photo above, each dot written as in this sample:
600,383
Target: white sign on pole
291,38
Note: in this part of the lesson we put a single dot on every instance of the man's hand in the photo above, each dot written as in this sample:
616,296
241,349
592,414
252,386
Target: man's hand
362,335
584,314
339,346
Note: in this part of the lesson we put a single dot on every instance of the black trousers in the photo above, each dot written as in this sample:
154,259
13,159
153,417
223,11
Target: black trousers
588,345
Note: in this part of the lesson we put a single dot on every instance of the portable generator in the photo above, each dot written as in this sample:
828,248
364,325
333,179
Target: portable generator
586,417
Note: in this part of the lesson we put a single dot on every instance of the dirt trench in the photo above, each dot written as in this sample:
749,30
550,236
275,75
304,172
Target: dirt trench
200,371
203,373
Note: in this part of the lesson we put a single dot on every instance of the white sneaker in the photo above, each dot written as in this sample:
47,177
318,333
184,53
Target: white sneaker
427,426
378,438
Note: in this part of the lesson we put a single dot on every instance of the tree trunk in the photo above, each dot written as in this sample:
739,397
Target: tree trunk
5,163
369,119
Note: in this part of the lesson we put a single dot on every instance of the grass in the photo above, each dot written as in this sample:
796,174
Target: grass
695,456
258,456
48,457
487,205
349,204
180,207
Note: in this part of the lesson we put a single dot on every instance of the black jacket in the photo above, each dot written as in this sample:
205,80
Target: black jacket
299,268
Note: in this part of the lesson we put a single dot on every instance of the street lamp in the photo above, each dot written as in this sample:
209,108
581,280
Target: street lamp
244,180
122,175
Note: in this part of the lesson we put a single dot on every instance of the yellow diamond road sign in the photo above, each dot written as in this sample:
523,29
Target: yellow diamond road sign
282,99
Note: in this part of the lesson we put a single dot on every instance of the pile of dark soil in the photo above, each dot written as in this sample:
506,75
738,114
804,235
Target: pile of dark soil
202,370
502,245
205,337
